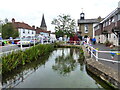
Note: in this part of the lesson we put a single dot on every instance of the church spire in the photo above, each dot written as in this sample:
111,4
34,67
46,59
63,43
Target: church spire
43,24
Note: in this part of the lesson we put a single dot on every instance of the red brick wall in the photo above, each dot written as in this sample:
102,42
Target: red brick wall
109,27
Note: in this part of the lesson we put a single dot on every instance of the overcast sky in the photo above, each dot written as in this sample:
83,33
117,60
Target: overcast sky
30,11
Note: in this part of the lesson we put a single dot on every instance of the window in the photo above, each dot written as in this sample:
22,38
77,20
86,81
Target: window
86,28
28,31
23,30
32,32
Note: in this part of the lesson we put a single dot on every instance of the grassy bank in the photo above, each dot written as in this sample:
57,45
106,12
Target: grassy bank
15,59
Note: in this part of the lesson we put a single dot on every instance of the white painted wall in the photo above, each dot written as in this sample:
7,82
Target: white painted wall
26,34
53,37
94,29
111,37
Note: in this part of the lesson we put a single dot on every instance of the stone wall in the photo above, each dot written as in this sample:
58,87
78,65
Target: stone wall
106,73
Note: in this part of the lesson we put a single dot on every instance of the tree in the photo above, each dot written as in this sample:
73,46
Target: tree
64,25
8,30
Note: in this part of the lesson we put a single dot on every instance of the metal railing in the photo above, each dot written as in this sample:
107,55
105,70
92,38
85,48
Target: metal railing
95,52
15,50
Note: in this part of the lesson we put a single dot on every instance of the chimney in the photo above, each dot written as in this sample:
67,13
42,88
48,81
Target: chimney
37,27
13,20
33,26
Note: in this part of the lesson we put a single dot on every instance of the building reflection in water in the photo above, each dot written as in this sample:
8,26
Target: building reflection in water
67,61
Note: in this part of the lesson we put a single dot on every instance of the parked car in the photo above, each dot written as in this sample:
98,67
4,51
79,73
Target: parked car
24,42
16,40
34,40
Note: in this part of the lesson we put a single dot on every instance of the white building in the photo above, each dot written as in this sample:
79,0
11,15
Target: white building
24,29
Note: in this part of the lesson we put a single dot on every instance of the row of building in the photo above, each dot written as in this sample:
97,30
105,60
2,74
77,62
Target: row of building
26,30
102,29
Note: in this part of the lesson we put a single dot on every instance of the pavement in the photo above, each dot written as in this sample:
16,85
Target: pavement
102,47
8,47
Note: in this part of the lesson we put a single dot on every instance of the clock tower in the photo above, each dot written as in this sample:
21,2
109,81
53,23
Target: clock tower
82,16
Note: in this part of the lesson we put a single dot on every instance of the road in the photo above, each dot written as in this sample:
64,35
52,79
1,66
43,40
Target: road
8,48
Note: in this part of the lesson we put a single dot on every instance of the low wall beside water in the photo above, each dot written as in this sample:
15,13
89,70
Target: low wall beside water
104,72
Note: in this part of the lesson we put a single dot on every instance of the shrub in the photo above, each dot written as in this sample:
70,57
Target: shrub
15,59
107,43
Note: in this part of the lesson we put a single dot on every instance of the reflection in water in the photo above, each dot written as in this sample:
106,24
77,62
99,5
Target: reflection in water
17,76
63,68
66,61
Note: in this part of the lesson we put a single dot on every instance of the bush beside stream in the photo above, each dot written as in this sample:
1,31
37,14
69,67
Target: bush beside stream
15,59
20,58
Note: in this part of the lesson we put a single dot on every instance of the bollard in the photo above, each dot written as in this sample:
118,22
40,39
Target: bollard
96,55
91,52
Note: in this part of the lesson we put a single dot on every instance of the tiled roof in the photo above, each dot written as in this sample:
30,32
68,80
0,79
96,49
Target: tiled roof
22,25
38,30
87,21
26,26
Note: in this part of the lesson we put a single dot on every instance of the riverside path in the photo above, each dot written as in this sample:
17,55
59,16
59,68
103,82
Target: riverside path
102,47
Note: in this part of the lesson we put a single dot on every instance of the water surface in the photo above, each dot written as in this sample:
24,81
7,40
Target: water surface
63,68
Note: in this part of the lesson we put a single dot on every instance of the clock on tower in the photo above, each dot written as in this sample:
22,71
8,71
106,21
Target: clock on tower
82,16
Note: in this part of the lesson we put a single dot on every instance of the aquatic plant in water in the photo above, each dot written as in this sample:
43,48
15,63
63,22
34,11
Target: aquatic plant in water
15,59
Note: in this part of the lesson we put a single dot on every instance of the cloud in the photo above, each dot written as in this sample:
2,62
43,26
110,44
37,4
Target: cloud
30,11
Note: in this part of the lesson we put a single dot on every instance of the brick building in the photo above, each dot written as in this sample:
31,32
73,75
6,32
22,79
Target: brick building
103,30
86,25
